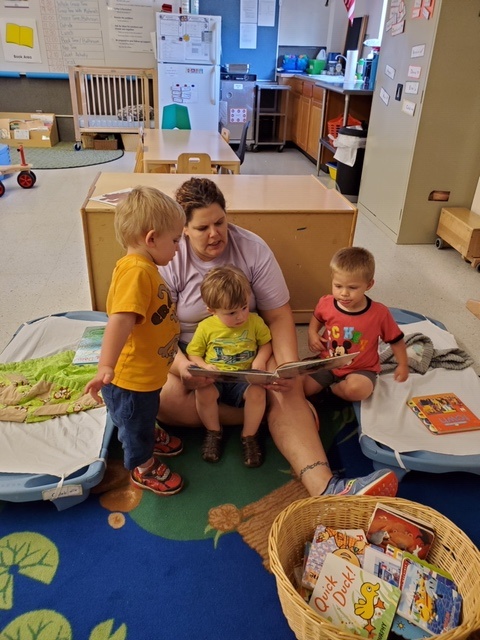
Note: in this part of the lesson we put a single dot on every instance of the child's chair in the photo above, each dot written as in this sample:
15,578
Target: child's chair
194,163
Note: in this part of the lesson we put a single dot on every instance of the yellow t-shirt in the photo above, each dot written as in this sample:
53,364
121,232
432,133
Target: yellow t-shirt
226,347
149,351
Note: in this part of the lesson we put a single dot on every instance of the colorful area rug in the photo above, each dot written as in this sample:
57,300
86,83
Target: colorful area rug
129,565
64,156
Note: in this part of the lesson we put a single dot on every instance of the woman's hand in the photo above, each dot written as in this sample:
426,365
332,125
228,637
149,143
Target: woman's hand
281,385
192,382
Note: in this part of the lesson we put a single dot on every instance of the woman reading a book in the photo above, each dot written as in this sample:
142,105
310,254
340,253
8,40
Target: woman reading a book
210,241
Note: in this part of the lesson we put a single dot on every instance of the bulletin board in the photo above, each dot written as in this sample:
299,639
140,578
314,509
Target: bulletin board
48,36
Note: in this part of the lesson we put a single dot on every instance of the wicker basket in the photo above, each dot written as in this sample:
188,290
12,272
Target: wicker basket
335,124
295,525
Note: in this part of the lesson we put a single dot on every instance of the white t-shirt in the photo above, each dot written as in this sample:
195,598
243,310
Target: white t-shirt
245,250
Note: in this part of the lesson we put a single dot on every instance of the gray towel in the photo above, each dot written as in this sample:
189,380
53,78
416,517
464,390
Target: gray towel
422,356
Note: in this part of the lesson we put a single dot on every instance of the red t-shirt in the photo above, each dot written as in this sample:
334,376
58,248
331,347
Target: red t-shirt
348,332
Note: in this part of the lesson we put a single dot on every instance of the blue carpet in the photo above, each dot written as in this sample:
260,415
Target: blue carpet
128,565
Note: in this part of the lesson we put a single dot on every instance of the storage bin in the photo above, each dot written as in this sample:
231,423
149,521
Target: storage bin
332,170
335,124
452,550
316,67
4,158
105,144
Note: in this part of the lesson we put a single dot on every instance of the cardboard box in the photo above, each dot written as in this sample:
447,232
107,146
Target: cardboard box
109,143
105,145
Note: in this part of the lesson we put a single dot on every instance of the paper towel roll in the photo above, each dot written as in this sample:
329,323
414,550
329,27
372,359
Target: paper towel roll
351,66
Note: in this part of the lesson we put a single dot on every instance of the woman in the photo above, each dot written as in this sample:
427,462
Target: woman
210,241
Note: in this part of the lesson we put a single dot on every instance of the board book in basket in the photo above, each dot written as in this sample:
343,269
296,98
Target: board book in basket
287,370
444,413
89,347
390,526
429,597
346,542
353,599
381,564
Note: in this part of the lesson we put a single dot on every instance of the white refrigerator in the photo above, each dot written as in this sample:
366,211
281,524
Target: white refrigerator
188,59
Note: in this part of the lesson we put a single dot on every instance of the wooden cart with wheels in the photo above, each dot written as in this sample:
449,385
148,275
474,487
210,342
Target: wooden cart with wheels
460,228
26,178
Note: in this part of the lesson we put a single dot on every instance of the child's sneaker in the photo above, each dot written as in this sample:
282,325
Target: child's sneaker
165,444
378,483
158,479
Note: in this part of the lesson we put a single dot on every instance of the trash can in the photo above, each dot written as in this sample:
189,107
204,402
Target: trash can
350,144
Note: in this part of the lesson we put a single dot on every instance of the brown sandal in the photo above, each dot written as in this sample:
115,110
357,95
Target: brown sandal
252,452
212,446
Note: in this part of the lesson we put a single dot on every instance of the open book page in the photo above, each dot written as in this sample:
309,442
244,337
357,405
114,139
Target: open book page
287,370
112,198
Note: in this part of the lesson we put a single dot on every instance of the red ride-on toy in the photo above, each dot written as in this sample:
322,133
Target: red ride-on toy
26,178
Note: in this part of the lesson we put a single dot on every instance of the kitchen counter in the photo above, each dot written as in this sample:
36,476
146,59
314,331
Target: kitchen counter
345,88
316,105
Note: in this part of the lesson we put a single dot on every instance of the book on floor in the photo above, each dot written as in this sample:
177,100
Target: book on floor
350,543
89,347
444,413
287,370
390,526
353,599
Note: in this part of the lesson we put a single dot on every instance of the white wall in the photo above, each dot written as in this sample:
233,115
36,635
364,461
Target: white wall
311,23
303,23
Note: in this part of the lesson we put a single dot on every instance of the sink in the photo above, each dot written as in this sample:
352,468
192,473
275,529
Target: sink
326,78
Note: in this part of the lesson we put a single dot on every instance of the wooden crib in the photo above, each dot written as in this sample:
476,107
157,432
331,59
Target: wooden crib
106,100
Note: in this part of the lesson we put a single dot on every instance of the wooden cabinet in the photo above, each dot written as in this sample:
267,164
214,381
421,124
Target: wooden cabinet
305,113
315,121
303,223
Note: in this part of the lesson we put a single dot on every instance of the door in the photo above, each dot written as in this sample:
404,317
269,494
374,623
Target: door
188,90
397,103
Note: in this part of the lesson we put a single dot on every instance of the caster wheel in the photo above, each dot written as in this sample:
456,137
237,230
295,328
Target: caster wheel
77,146
280,149
2,189
477,268
439,243
254,148
33,176
26,180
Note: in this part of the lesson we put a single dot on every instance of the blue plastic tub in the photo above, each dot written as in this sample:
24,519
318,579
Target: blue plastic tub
4,158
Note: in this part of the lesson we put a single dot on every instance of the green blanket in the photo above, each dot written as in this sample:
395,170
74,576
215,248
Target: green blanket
39,389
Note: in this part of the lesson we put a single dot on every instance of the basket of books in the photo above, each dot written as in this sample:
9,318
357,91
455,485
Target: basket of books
443,558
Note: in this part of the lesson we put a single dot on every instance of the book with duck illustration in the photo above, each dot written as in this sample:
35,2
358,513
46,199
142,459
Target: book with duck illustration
354,600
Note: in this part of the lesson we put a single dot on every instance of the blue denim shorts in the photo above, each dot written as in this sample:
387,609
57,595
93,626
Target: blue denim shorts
134,414
231,394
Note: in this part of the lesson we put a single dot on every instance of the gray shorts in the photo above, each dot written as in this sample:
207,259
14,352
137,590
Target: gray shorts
326,377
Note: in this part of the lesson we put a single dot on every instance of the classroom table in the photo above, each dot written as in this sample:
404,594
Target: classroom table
303,222
161,148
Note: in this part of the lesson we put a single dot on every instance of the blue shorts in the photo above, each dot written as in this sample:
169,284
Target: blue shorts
326,377
134,414
231,394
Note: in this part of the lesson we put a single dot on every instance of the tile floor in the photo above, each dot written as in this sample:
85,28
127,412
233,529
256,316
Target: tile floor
43,268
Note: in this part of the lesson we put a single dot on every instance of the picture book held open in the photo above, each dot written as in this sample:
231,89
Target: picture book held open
444,413
287,370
